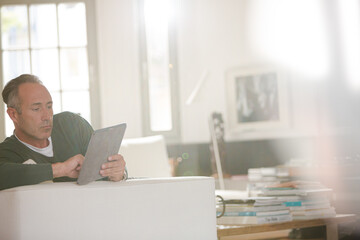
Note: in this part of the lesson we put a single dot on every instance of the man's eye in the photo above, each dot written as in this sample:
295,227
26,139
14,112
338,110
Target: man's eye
36,109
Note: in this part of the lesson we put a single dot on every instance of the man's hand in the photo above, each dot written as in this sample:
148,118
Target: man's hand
114,169
69,168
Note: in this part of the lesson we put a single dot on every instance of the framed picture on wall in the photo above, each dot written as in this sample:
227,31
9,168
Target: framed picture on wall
256,99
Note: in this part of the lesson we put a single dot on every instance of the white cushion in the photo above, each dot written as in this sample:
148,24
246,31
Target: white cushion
146,157
168,208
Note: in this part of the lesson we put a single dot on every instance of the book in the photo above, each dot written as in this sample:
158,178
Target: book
253,200
314,212
238,198
240,220
307,204
276,191
268,202
238,213
250,213
308,217
273,219
252,208
272,213
309,207
298,184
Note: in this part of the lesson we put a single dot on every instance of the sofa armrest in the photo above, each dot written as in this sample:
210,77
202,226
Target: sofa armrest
162,208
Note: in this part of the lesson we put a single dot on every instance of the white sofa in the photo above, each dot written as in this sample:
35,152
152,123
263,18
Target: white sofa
154,208
146,156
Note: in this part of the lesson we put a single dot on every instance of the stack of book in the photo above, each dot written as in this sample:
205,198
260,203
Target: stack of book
259,178
254,210
268,174
304,203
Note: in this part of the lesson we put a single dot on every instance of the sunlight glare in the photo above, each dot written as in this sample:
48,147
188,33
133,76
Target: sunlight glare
290,33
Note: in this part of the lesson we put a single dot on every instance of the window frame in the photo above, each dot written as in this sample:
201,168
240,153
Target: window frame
91,54
173,135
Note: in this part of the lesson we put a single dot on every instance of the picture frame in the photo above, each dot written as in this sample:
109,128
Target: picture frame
256,99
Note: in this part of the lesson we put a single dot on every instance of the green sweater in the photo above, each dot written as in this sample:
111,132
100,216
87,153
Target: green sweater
70,136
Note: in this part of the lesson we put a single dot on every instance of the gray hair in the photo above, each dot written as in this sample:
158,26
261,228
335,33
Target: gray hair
10,93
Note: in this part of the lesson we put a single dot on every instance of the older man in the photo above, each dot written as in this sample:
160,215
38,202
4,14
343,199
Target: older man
45,147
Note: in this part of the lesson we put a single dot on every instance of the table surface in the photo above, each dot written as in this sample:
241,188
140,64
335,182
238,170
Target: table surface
231,230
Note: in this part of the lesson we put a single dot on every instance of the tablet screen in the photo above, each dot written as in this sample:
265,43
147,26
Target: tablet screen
103,143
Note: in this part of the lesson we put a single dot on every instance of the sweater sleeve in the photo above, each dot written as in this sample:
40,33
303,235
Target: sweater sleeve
17,174
72,135
14,173
85,131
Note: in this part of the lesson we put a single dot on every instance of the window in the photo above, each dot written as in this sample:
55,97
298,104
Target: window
349,20
49,40
158,56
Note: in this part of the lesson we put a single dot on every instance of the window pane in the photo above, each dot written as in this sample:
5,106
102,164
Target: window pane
14,27
9,125
160,109
45,64
43,25
56,102
77,102
72,24
74,69
15,63
156,29
51,26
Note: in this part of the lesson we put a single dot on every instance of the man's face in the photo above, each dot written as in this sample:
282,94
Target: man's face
34,124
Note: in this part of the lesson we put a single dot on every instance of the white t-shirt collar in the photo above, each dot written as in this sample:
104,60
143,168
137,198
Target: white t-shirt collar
46,151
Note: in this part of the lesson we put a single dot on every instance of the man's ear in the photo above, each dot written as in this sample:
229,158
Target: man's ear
13,114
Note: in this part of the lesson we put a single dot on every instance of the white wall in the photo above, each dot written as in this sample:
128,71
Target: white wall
211,36
117,37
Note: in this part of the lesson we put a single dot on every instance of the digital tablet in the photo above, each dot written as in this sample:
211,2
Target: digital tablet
103,143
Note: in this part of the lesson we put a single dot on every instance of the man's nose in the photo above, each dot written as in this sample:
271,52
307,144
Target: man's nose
47,113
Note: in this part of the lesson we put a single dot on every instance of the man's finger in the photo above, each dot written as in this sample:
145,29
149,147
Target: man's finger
115,157
111,172
114,164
